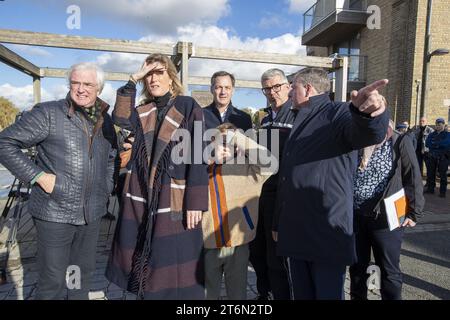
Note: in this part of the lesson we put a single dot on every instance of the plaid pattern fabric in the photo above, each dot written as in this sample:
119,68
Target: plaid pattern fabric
153,254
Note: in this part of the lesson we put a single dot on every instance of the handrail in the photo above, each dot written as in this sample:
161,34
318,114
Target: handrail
310,14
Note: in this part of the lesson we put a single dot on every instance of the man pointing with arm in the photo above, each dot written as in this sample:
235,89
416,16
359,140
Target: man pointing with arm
313,223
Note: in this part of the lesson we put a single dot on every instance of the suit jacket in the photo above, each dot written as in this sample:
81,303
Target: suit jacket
314,212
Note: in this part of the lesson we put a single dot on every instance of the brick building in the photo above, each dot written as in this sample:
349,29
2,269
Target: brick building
395,51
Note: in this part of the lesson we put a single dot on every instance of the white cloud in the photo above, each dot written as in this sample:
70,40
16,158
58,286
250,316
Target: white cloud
108,94
213,36
300,6
159,16
22,97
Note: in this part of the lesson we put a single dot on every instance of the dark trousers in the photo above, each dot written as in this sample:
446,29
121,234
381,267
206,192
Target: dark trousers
420,160
60,245
373,234
271,273
440,164
316,281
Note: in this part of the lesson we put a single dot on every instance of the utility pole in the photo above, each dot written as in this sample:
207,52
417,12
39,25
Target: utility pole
426,59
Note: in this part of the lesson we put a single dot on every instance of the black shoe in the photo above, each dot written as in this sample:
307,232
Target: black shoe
429,191
442,195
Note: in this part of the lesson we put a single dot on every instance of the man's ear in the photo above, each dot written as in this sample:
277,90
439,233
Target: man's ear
308,88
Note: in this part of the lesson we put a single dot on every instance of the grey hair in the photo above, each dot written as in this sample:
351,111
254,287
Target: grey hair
269,74
89,66
316,77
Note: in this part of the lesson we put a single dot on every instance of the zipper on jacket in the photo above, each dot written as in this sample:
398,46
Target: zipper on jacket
90,138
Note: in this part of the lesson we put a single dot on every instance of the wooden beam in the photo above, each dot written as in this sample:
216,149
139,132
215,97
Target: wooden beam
17,62
84,43
261,57
205,81
120,76
37,89
62,73
130,46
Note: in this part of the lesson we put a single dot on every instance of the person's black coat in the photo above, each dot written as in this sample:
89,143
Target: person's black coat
314,215
406,175
233,115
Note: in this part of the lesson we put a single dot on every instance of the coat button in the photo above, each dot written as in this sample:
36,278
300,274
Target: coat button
171,167
288,153
283,179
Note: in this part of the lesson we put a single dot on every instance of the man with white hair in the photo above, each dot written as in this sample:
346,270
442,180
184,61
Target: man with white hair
70,181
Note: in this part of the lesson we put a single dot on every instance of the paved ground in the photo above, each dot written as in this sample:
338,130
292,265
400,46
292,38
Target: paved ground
425,260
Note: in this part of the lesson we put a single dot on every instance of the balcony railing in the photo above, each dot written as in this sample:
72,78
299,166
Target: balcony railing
322,9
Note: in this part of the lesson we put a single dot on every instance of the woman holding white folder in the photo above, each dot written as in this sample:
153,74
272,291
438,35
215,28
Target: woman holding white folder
384,170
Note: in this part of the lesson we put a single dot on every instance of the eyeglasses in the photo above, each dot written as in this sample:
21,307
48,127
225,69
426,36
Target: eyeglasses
86,85
275,88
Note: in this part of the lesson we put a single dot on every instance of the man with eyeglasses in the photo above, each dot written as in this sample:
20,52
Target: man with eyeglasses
222,110
70,181
271,275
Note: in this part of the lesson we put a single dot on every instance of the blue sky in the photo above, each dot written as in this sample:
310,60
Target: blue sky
271,26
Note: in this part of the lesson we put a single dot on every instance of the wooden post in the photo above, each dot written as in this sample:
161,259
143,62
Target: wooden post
37,89
341,66
184,65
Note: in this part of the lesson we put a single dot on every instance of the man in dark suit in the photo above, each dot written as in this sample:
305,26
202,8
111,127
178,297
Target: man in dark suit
222,110
314,211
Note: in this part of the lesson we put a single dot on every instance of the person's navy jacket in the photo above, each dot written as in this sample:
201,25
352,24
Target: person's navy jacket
233,115
438,143
283,122
314,215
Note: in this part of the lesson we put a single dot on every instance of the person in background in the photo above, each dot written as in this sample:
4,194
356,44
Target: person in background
421,132
402,128
438,142
383,170
221,110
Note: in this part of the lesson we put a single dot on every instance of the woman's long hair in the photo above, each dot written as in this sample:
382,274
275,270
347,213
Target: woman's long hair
176,88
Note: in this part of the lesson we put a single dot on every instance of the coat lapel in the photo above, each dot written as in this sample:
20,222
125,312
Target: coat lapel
171,122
